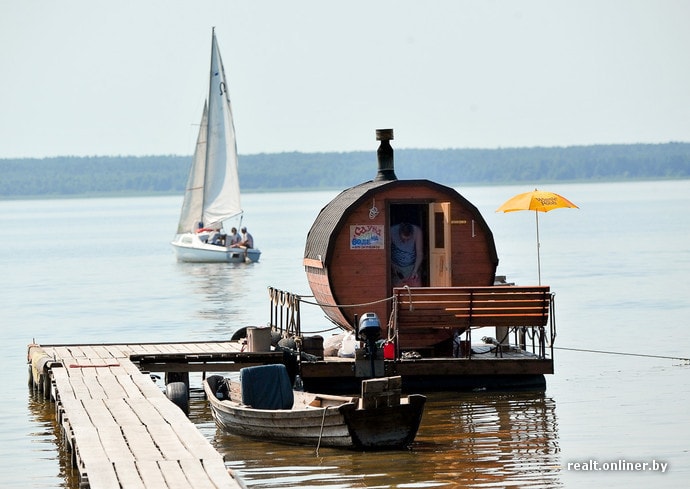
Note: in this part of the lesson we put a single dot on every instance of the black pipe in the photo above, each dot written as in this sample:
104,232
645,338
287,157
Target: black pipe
385,155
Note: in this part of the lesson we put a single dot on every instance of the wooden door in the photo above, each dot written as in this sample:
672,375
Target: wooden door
439,245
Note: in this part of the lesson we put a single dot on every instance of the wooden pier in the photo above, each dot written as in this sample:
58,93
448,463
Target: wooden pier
121,429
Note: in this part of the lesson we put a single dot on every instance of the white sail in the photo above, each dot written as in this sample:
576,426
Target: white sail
221,185
192,206
212,194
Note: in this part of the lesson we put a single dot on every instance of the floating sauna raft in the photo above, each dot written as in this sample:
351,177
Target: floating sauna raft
350,260
121,429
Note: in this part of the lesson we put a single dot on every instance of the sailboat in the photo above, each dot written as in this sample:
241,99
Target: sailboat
212,194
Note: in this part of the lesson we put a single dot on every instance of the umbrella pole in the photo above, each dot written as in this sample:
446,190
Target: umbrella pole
536,215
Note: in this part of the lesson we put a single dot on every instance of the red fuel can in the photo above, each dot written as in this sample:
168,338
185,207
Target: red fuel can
389,350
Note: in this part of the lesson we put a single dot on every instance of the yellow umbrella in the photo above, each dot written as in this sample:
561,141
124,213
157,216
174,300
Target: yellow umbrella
537,201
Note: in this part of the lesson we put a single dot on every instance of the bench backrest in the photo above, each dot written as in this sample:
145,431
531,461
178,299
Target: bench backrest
464,307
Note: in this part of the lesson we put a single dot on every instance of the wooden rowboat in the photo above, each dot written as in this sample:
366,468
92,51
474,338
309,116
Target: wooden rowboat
264,405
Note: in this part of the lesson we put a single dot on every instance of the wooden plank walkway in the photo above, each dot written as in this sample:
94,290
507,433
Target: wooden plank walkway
122,430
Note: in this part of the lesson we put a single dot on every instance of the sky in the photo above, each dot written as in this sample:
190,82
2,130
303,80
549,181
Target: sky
86,78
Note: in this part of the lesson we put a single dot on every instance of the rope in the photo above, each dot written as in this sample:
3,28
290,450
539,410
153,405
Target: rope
347,305
325,330
281,297
409,296
623,353
389,327
323,420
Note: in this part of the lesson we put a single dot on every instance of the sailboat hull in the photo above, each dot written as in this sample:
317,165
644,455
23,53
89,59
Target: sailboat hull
189,248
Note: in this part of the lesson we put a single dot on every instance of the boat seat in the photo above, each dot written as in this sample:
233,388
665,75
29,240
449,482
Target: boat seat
219,385
266,387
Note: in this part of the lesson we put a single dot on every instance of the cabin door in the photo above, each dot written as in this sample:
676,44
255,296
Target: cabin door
439,245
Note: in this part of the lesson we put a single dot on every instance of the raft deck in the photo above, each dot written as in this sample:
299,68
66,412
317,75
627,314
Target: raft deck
121,429
436,324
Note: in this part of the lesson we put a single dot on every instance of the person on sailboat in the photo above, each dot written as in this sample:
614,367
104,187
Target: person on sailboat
247,240
217,237
234,237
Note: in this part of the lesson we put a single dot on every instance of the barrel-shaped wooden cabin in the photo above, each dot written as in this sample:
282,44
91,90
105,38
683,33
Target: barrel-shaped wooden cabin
347,256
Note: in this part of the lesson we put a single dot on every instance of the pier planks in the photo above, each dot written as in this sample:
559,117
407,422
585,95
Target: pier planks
122,430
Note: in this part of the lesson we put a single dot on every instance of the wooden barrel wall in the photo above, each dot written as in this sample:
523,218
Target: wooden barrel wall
349,280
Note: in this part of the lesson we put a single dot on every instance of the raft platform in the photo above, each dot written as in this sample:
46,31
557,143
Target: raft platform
120,427
431,334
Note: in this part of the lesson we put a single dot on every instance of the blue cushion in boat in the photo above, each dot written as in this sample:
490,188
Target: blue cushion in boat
266,387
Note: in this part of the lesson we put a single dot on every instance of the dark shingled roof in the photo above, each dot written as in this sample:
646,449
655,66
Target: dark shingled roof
332,216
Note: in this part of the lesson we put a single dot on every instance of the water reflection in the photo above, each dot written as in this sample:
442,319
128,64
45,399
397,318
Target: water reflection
48,444
221,291
470,440
493,439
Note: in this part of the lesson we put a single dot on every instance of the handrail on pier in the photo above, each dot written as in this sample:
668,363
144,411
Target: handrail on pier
285,312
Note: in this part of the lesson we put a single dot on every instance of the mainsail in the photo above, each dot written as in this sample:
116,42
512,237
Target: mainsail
213,186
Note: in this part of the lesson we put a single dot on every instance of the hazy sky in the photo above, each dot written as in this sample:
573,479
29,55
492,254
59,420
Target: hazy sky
82,77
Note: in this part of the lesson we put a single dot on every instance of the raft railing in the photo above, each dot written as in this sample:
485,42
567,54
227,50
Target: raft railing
285,312
422,315
425,315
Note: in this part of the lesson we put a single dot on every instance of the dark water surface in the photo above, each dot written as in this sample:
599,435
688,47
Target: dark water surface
102,270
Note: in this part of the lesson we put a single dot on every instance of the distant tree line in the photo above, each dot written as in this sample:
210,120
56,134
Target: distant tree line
112,175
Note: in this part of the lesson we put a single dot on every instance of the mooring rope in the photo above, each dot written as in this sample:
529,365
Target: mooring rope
664,357
323,420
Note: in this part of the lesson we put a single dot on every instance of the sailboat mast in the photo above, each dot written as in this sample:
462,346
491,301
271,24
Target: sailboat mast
210,83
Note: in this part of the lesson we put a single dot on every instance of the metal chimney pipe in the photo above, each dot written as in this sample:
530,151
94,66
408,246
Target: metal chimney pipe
385,155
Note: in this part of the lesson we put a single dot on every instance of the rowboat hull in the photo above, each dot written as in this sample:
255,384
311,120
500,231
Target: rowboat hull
321,420
387,426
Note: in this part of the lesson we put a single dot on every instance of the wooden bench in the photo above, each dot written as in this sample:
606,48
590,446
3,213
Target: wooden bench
429,316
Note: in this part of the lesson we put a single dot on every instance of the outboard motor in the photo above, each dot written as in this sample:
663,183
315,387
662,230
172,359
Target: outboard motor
370,331
370,328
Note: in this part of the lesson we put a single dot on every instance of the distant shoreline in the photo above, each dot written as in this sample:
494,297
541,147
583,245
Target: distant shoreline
125,176
115,195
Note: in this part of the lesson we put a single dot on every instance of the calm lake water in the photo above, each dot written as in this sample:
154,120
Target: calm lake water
102,270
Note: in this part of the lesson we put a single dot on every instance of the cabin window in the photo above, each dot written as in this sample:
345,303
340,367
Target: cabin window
439,230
